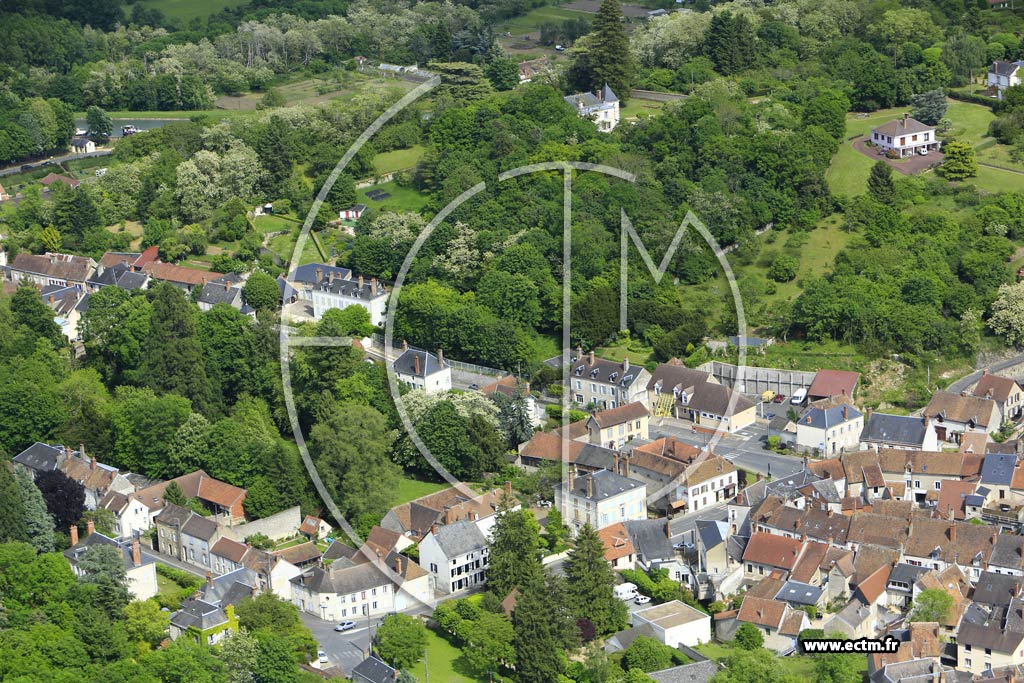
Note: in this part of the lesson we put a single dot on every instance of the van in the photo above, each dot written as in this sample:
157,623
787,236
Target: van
626,591
798,397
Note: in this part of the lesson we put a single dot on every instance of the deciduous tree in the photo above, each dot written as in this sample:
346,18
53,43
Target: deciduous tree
401,640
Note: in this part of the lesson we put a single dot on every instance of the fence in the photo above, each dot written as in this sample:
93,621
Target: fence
656,96
378,341
277,526
751,380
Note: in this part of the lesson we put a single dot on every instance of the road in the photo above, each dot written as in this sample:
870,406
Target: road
348,648
964,383
745,449
54,160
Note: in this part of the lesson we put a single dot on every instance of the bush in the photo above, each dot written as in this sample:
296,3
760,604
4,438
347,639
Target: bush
783,268
748,637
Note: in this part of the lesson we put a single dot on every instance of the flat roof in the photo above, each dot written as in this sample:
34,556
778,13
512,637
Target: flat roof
669,614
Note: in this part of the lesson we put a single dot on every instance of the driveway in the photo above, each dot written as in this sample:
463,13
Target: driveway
910,166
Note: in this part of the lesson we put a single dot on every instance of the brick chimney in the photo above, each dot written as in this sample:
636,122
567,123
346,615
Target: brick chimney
572,476
440,358
846,412
360,282
405,345
73,531
136,552
739,498
618,465
373,286
449,515
319,275
433,528
90,528
209,579
416,364
51,298
590,485
906,119
508,488
330,278
590,357
952,532
625,465
668,528
398,564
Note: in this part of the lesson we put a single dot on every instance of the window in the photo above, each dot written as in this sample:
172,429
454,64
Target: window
917,484
968,662
988,651
938,485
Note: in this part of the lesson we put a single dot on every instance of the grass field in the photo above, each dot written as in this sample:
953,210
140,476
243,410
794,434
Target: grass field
532,20
267,224
133,228
848,172
188,9
397,160
444,662
411,489
401,199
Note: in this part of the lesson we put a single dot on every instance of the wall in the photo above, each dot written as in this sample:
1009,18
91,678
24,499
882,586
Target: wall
276,527
757,380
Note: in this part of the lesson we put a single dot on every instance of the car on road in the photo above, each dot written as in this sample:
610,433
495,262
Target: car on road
345,626
683,545
544,503
474,386
322,656
559,48
642,600
779,398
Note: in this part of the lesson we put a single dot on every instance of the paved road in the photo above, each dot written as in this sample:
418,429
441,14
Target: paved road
745,449
348,648
964,383
55,160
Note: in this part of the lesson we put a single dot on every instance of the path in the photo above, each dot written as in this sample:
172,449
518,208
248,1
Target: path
964,383
54,160
1000,168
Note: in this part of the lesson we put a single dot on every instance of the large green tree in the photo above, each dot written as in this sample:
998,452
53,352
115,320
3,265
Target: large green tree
609,60
514,558
401,640
12,510
38,526
880,183
591,584
544,630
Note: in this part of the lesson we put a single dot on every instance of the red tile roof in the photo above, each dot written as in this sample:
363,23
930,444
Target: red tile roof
616,542
772,550
179,274
833,383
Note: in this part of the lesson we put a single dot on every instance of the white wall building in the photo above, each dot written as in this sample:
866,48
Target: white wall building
1003,75
601,107
676,623
906,137
422,370
456,554
600,498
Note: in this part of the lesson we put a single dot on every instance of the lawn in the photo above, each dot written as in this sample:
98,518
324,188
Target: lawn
188,9
267,224
133,228
401,199
411,489
848,172
165,585
998,180
635,350
443,662
799,666
532,20
397,160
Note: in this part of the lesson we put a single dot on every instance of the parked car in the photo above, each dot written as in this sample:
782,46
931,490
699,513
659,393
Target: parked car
923,152
779,398
798,397
642,600
684,545
560,48
544,503
345,626
474,386
322,655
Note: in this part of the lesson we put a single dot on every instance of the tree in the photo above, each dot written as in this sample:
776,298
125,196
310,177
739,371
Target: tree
960,162
609,58
102,566
828,110
174,495
12,510
647,654
932,604
880,183
239,651
730,42
30,311
554,528
929,107
544,631
591,584
98,124
753,666
1007,317
103,521
514,560
401,640
748,637
146,623
784,267
262,293
837,668
514,417
173,356
65,498
490,644
274,150
503,73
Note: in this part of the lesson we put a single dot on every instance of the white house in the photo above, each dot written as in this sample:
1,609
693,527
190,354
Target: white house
139,571
352,213
601,107
354,588
422,370
829,429
82,145
951,415
707,481
612,428
328,287
676,623
131,515
606,383
1003,75
456,554
600,498
906,137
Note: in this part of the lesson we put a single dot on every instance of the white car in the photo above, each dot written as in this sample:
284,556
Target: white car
322,655
923,152
642,600
560,48
345,626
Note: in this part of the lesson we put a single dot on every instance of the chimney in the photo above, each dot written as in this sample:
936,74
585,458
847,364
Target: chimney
433,528
579,353
67,454
416,364
625,465
136,552
330,278
985,371
73,530
926,421
449,516
796,525
906,119
405,345
398,564
51,298
591,357
739,498
830,512
590,485
803,538
869,412
319,275
508,488
440,357
90,528
572,476
668,529
759,476
625,365
952,532
209,579
618,465
373,286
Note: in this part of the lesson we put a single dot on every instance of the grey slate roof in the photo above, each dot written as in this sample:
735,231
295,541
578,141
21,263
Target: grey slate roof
198,526
307,273
588,100
697,672
40,457
198,614
996,589
649,539
214,293
372,670
992,636
789,486
605,485
231,588
406,363
712,532
898,430
604,371
716,399
796,592
75,553
902,127
1005,68
823,418
342,580
459,538
998,468
905,574
1008,551
173,515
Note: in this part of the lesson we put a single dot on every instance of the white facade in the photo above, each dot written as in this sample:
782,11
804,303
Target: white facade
142,581
906,137
1003,75
459,572
676,623
711,491
579,509
325,300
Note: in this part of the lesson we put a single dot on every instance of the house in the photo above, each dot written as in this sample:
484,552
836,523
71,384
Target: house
604,383
301,555
203,622
140,571
328,287
227,555
224,501
62,270
181,277
131,516
50,178
801,595
676,623
1000,4
652,539
830,383
907,432
707,481
95,477
533,68
352,213
780,623
899,588
669,383
980,647
601,107
618,548
423,370
315,528
766,553
1007,394
186,535
718,574
599,499
905,137
225,290
414,520
118,275
856,620
695,672
1003,74
950,415
359,587
514,387
1007,555
941,544
829,427
82,145
614,427
456,554
372,670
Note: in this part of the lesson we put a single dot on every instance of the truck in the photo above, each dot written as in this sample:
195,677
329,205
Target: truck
626,591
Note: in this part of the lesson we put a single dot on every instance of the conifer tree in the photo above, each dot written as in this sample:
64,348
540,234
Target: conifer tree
514,558
544,631
38,521
609,57
880,183
12,511
591,584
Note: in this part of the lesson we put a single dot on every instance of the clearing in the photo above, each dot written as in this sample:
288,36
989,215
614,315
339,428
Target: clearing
133,228
189,9
400,199
397,160
411,489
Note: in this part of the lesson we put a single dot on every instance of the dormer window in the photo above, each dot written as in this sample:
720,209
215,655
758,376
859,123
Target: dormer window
579,370
614,376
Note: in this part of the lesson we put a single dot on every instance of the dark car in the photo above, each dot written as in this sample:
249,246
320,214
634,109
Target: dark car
474,386
27,167
779,398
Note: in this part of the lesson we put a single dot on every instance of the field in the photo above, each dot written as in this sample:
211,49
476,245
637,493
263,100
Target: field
848,173
401,199
189,9
133,228
444,662
411,489
532,20
794,665
397,160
